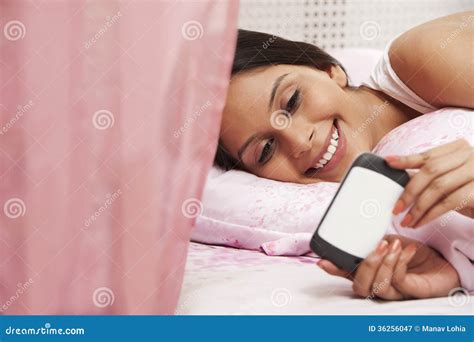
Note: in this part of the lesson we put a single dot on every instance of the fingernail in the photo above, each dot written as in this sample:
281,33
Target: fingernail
391,159
406,220
399,207
395,246
382,247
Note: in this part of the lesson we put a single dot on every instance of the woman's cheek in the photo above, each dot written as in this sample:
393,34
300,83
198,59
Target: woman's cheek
322,106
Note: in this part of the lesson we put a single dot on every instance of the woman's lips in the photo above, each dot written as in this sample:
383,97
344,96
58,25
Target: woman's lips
337,156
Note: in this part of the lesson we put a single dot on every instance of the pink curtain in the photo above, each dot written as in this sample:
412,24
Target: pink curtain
110,112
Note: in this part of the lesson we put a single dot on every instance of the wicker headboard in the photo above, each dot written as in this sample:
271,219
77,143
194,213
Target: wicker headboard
343,23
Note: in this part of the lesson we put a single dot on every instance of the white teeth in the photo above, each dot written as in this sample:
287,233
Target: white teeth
328,156
332,148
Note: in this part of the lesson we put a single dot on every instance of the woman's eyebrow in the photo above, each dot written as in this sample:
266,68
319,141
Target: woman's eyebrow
275,86
246,144
274,89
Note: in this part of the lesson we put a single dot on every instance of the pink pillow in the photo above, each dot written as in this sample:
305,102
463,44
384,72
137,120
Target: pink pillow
246,211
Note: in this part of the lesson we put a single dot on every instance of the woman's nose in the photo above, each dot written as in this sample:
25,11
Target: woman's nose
298,139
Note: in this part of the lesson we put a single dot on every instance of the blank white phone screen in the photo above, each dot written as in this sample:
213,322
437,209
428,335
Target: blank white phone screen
361,212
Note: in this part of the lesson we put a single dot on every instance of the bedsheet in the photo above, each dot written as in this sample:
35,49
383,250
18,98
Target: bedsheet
222,280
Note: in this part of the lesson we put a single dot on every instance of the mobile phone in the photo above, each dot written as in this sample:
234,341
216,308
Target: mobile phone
360,213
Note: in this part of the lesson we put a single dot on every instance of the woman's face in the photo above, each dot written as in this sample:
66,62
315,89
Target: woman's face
292,123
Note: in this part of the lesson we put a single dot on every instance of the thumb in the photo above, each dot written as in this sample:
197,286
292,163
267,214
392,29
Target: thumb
332,269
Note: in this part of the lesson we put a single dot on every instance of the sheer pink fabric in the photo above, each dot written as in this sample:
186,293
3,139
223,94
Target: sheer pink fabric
110,114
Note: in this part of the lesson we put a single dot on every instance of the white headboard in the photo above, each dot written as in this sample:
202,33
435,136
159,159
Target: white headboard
343,23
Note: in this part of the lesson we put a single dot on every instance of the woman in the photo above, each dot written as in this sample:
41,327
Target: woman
290,113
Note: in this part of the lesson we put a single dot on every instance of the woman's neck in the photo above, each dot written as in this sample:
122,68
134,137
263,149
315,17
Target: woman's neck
382,113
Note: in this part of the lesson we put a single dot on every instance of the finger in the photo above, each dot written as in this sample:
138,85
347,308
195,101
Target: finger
412,285
438,189
381,287
399,279
414,161
365,274
332,269
457,200
419,182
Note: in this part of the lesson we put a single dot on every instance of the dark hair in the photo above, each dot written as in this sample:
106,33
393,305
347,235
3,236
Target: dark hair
258,49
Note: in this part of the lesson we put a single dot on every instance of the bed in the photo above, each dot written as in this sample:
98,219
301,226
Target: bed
228,281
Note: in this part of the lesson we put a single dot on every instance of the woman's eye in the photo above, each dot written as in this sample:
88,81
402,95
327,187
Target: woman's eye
266,151
293,101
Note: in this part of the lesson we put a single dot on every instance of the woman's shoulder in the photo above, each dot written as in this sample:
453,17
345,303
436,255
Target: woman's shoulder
435,60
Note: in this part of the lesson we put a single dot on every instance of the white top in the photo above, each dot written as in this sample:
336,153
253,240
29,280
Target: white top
384,78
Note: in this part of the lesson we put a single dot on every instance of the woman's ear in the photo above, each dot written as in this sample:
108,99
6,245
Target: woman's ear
338,75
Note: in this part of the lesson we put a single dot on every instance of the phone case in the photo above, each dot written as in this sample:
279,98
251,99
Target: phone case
360,212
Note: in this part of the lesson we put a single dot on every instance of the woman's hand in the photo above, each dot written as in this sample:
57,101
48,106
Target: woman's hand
445,182
400,268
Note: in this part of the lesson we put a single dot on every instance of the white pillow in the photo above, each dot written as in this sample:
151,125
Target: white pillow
357,62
